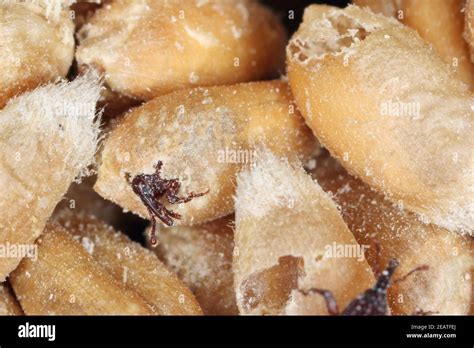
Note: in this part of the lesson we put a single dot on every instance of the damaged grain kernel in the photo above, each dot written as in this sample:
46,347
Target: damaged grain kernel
203,137
150,188
371,302
285,228
388,8
440,22
345,84
445,288
148,48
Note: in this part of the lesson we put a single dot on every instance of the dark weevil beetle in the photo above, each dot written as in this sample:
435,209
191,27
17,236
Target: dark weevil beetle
371,302
151,188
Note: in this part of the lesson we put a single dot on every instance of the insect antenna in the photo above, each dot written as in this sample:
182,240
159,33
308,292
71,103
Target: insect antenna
417,269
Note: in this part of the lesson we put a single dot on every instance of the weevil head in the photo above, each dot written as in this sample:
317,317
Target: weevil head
383,282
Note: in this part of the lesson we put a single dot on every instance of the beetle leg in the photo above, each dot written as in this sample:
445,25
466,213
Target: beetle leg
172,214
175,199
417,269
153,240
331,302
156,209
165,216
